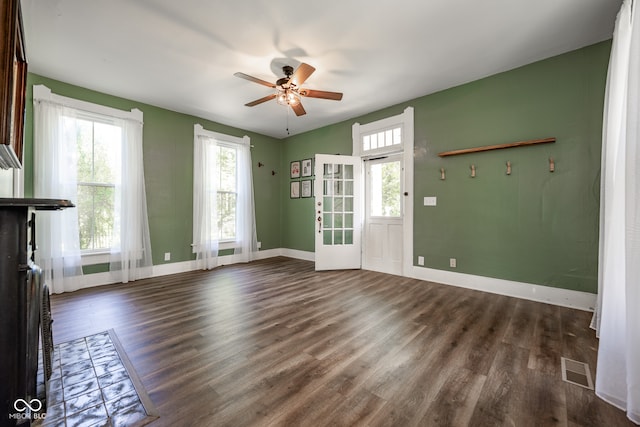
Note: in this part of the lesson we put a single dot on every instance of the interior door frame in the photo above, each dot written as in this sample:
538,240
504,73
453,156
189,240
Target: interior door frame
406,121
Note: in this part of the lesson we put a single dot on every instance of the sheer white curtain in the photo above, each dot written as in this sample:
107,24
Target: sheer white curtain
617,317
247,242
54,175
205,212
131,252
206,183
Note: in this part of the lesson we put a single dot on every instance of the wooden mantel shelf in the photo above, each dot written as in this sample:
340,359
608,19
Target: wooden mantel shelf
496,147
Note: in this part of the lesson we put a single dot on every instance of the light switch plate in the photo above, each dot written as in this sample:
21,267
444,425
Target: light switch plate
430,201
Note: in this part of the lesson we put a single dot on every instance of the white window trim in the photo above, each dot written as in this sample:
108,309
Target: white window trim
221,137
406,121
43,93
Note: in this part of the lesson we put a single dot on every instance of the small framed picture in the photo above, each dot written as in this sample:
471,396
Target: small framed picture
307,188
295,190
307,168
295,169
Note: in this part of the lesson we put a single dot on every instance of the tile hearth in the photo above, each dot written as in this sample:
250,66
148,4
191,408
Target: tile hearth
90,386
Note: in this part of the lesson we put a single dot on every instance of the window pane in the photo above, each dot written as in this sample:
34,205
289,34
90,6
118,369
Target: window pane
385,189
366,145
397,136
328,205
327,187
338,204
227,215
104,212
348,204
85,216
348,237
337,220
227,167
328,171
388,137
348,220
348,188
337,237
337,188
337,171
327,221
326,237
82,131
106,153
95,216
98,152
348,171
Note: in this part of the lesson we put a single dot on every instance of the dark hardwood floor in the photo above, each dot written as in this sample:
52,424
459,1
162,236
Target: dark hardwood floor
275,343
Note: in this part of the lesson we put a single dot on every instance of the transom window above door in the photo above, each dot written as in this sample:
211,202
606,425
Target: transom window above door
382,141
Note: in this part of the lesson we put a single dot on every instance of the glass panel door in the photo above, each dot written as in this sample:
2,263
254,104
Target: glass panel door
337,225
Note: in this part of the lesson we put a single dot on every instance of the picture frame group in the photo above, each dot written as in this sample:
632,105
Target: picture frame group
301,188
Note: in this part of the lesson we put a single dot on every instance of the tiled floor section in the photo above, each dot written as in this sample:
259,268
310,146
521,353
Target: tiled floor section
90,386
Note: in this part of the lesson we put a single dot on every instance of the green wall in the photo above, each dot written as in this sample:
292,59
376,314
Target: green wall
168,169
532,226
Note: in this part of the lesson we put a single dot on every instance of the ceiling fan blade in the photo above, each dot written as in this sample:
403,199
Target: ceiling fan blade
335,96
254,79
298,109
261,100
302,73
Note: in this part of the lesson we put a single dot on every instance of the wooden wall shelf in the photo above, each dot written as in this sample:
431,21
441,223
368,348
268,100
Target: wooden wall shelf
496,147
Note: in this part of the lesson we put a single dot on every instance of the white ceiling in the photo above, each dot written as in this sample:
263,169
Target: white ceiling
181,55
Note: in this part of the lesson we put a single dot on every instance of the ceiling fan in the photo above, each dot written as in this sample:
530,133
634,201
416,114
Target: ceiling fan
288,90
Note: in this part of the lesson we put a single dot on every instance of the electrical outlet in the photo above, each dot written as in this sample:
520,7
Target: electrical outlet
452,262
259,245
420,260
167,256
430,201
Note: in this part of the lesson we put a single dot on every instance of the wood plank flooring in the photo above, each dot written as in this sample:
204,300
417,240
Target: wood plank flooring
275,343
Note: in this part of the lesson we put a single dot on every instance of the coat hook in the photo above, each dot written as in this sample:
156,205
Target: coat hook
260,164
273,173
442,177
508,167
473,171
552,165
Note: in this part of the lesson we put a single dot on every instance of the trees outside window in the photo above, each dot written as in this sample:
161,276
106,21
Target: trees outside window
98,152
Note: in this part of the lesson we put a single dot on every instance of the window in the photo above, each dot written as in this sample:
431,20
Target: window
385,196
382,140
98,149
227,193
92,155
223,211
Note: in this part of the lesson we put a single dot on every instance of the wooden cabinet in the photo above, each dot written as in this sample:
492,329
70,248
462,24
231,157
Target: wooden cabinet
13,84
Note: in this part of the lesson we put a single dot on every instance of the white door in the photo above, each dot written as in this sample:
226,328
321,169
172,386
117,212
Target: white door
383,219
337,212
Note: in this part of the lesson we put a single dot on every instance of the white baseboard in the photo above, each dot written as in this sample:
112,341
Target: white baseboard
293,253
557,296
562,297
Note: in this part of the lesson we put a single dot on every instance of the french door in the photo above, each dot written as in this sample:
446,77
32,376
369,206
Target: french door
337,212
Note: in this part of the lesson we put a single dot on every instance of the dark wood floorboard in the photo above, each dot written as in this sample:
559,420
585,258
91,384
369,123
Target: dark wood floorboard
274,343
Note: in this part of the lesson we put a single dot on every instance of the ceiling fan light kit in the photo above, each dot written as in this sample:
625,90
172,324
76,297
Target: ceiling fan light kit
288,91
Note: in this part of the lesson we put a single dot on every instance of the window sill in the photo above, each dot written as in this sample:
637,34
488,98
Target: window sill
93,258
223,245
